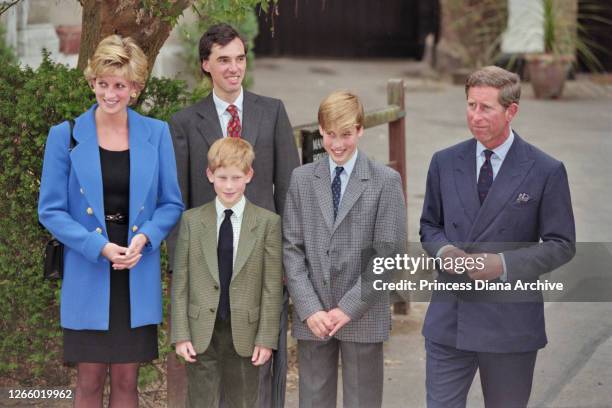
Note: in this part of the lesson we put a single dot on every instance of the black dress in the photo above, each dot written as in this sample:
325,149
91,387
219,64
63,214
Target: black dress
120,343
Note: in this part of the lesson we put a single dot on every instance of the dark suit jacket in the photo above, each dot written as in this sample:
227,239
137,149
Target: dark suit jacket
264,124
543,225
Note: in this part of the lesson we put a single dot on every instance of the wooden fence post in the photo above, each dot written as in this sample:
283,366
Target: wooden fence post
397,130
397,152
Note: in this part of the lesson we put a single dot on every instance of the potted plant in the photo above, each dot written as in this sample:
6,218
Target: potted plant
548,70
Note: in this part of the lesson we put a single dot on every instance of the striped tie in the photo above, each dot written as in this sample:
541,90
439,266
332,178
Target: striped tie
485,178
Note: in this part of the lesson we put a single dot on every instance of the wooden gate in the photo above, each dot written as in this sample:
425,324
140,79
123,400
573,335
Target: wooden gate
348,28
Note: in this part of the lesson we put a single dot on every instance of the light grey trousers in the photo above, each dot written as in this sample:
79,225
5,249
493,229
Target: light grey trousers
362,373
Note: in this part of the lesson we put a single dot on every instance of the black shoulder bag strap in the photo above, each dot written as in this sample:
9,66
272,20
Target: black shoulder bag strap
73,141
53,258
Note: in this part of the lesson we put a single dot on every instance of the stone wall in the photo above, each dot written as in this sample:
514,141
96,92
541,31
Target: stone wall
470,31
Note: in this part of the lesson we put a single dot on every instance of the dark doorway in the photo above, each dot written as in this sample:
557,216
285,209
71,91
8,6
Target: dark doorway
348,28
595,17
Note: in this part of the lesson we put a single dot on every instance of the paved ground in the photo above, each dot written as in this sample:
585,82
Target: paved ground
575,369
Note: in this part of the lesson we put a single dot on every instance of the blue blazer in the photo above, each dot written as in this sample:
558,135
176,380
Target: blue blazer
527,216
71,207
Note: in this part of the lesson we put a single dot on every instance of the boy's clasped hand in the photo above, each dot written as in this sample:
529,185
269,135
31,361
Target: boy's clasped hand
326,324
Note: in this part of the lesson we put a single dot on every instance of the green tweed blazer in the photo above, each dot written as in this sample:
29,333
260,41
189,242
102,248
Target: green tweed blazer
255,290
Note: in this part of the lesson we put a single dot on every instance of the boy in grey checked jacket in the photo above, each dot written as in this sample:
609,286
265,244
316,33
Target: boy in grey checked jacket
336,210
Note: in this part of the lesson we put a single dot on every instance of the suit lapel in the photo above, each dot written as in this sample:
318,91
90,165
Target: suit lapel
247,239
515,167
143,161
208,240
251,115
355,187
209,127
322,187
85,159
465,180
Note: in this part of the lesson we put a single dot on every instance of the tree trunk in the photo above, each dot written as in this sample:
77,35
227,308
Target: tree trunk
128,18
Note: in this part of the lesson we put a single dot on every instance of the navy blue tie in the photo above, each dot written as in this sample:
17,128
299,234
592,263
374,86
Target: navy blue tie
336,188
485,178
225,258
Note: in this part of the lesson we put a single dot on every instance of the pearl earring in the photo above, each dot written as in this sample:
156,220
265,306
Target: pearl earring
134,95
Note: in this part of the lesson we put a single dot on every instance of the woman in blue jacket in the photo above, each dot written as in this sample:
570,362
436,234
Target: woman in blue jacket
111,200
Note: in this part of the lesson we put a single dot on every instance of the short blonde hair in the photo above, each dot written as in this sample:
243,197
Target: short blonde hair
508,83
231,151
341,110
116,55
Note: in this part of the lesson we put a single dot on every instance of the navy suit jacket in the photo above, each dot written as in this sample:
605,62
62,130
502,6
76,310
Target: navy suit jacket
541,228
71,207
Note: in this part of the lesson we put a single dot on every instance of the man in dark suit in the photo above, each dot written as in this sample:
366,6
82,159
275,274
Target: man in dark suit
481,193
230,111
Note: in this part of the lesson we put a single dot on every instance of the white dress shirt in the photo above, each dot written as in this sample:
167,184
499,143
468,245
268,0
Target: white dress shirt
224,115
236,220
498,156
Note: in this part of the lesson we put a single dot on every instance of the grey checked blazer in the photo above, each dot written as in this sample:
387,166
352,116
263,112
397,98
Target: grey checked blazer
322,258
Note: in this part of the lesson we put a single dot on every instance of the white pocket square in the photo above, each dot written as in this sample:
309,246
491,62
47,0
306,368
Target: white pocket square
523,198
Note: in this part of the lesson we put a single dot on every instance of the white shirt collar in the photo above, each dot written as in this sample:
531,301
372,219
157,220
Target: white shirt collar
348,166
221,105
238,208
501,151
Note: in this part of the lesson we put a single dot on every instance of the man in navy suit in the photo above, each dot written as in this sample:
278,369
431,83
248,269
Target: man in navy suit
481,193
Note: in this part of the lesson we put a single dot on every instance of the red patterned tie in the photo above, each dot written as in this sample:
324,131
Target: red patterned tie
233,127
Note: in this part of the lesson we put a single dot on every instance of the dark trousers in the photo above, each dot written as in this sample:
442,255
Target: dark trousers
506,378
273,374
362,373
279,358
221,367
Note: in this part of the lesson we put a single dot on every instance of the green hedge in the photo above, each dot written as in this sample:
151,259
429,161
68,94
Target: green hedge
30,102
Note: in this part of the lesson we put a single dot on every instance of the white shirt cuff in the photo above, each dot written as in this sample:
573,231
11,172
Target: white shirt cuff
442,249
504,275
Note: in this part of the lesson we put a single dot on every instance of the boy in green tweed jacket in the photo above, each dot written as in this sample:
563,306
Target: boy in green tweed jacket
227,284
